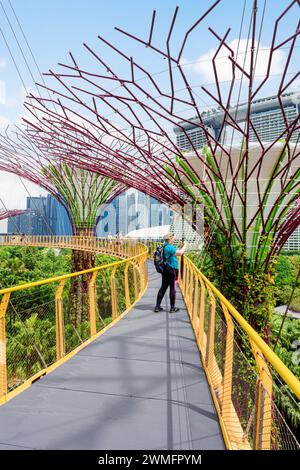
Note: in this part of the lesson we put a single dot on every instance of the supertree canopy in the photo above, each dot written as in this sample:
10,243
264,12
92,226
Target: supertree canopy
80,191
84,192
248,185
102,148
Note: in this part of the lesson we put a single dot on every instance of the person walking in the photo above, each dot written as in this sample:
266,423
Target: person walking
170,272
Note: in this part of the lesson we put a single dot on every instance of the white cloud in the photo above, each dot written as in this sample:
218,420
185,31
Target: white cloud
26,92
296,84
2,62
204,66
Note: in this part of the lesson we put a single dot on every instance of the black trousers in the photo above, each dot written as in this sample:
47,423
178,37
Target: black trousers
169,279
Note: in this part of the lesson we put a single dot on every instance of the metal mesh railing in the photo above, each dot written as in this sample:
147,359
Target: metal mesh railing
243,372
41,322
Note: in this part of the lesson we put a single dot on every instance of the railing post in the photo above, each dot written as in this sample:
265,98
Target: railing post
92,295
226,404
196,301
114,309
135,277
60,346
263,416
127,294
3,365
211,332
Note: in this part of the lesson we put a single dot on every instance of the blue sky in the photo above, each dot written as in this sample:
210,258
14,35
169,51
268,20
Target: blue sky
54,27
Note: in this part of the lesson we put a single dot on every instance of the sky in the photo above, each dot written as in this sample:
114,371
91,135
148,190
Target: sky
55,27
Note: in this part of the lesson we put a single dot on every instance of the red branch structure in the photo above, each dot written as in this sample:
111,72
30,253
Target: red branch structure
81,192
6,214
120,124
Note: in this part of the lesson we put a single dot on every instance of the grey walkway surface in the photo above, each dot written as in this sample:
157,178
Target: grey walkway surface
139,386
281,309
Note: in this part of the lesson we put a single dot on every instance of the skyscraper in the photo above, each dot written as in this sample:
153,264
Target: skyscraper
266,116
57,217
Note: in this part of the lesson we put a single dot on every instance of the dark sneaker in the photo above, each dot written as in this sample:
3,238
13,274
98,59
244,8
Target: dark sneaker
174,309
158,309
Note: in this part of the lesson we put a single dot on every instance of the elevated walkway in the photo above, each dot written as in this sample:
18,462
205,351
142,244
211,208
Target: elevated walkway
139,386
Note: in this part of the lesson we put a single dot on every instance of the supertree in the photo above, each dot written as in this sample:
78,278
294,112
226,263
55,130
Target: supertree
80,191
83,194
249,190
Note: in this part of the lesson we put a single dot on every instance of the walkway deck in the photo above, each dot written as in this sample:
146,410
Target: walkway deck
139,386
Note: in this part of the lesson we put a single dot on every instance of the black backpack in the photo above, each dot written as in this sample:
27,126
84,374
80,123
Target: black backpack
158,258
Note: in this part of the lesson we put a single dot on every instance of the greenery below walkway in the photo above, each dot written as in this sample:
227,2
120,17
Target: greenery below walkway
287,349
30,317
19,265
287,269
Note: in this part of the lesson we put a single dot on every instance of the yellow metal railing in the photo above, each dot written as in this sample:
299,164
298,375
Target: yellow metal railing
44,323
120,248
241,368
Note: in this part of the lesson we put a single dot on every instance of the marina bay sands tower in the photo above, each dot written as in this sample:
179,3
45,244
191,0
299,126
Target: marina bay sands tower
267,118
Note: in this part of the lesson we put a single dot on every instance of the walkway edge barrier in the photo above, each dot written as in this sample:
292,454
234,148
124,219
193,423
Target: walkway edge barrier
241,369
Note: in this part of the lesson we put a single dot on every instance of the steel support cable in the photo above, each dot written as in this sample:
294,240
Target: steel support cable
287,170
18,43
25,88
117,88
173,68
258,49
26,41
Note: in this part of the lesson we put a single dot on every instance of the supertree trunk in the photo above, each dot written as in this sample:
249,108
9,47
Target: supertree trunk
83,194
79,303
